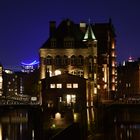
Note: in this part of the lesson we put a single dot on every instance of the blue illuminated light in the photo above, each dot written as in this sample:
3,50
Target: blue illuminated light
30,64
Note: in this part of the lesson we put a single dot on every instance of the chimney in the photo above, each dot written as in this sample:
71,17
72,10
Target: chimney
83,26
52,27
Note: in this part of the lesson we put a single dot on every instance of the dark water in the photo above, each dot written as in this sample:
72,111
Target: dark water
110,124
121,123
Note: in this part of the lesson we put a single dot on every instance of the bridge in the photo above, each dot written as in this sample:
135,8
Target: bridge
17,100
121,102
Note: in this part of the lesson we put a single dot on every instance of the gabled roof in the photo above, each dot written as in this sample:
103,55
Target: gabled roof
66,29
65,76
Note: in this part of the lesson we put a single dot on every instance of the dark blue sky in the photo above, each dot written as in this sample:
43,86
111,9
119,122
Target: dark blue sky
24,25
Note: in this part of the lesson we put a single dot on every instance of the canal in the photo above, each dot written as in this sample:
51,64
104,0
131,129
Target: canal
116,123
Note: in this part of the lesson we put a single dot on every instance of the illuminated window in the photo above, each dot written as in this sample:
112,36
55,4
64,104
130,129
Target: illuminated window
95,60
75,85
113,45
59,85
52,85
70,98
113,54
113,87
113,63
78,72
1,79
57,72
69,85
95,90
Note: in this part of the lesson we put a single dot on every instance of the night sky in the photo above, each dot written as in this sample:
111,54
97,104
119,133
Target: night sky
24,25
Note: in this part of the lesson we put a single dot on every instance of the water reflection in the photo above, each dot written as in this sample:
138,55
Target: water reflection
113,124
14,125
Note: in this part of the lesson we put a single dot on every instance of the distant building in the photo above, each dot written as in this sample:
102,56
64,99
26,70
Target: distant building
20,83
29,67
129,78
85,50
9,82
1,80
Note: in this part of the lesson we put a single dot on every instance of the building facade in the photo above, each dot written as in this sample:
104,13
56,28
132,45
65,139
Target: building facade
85,50
1,80
129,79
65,95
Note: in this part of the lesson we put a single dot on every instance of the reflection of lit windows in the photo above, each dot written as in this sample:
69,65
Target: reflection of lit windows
95,90
75,85
59,85
95,60
105,86
69,85
52,85
113,87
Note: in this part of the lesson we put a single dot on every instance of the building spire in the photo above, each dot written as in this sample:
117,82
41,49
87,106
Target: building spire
89,35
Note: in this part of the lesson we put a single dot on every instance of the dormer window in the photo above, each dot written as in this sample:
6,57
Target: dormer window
68,42
53,42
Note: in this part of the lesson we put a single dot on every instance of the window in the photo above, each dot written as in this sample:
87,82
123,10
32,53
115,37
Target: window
69,85
77,72
57,72
52,85
53,42
75,85
65,60
49,60
59,85
68,42
80,60
58,60
73,60
71,98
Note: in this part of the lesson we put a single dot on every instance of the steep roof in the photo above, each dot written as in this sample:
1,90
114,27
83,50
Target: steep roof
89,35
66,30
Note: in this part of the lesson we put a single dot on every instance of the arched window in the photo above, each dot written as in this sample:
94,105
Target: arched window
48,60
80,60
65,60
58,60
57,72
90,62
73,60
